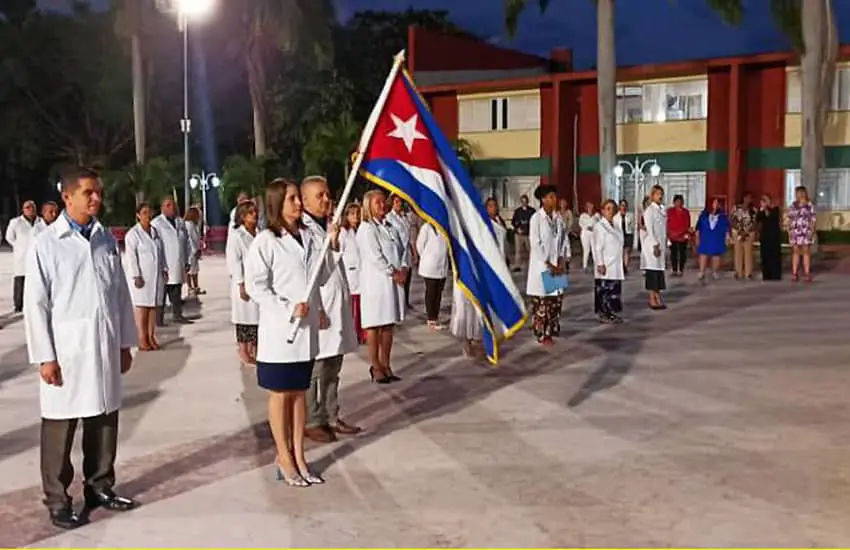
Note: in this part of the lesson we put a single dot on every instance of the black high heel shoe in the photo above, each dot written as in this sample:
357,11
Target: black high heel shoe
382,380
393,377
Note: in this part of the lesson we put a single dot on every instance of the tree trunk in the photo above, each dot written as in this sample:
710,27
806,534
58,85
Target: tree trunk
606,67
814,99
257,88
139,106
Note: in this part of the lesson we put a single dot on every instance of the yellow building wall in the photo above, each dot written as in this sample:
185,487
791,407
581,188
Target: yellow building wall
837,131
533,92
504,144
662,137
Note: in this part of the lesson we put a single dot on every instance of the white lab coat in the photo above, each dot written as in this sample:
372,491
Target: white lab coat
548,242
339,337
236,251
174,245
144,257
350,258
193,245
586,223
630,222
78,312
20,234
655,233
433,253
608,251
277,272
404,229
381,252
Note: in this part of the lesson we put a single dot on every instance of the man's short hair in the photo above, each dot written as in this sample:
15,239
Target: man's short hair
71,177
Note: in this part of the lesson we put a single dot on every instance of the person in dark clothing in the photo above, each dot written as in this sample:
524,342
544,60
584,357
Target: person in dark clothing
520,223
769,222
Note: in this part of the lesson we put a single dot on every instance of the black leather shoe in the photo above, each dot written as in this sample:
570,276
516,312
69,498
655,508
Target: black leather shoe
107,498
66,518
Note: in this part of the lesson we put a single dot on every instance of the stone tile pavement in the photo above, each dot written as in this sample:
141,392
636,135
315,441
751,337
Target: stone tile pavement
723,421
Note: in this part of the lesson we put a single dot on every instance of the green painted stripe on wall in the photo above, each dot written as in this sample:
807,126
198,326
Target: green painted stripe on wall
788,158
684,161
511,167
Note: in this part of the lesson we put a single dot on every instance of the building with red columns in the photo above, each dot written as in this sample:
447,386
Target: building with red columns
716,127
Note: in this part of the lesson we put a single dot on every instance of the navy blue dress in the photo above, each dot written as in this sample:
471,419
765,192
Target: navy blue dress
712,242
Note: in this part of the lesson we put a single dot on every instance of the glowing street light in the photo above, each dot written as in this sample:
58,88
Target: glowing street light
205,182
194,8
637,171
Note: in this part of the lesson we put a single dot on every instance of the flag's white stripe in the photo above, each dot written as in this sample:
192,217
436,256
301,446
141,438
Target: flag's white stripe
476,228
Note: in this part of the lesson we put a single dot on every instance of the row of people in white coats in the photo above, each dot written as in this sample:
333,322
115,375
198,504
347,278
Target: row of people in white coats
20,234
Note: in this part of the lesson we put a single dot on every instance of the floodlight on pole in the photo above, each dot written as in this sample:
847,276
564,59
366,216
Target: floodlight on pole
205,182
637,172
194,8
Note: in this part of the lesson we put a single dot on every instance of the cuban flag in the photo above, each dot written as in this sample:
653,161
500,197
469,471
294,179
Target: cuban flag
405,152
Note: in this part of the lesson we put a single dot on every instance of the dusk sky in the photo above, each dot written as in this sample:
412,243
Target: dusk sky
648,31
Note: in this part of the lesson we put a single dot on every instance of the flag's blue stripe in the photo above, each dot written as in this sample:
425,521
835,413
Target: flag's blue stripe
472,268
446,151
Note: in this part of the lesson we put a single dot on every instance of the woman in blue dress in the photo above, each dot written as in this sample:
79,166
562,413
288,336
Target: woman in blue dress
712,233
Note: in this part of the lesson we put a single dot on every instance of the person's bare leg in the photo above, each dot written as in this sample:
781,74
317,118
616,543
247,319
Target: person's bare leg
141,328
298,412
703,264
386,348
373,341
277,422
795,262
244,355
150,326
627,256
715,265
807,261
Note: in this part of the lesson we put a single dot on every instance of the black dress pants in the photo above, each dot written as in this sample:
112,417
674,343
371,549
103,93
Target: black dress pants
407,287
679,255
100,444
174,293
433,297
18,293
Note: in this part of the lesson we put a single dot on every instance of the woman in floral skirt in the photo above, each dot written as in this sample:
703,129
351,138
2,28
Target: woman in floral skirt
801,233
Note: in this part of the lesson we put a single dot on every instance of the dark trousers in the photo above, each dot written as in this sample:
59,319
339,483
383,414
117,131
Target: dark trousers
407,287
678,255
100,443
174,293
18,293
322,397
433,297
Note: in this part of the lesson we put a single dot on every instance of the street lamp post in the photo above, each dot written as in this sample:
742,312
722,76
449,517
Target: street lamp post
637,171
186,10
205,182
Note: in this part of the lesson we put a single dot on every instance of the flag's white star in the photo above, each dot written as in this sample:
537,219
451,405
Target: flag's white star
406,131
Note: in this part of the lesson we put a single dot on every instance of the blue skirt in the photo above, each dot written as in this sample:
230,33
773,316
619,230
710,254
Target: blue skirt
284,376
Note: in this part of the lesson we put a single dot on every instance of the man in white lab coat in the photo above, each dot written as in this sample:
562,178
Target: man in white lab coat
79,325
172,231
400,221
19,234
339,338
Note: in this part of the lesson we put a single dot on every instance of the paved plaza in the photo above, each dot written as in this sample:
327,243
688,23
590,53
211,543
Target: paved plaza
724,421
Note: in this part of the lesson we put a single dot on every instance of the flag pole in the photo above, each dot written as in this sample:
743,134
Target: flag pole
365,139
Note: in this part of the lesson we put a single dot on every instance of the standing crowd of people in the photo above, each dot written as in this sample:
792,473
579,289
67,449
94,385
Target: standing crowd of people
86,306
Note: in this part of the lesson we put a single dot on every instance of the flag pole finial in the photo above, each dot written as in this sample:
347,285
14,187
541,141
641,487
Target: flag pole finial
399,57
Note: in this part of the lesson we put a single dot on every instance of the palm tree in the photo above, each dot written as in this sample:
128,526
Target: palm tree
129,22
814,35
268,28
606,81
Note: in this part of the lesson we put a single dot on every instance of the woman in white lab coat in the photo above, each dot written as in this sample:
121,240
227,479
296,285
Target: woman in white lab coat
384,263
550,253
351,260
277,272
654,247
144,260
433,268
608,239
20,234
625,222
586,222
193,245
244,312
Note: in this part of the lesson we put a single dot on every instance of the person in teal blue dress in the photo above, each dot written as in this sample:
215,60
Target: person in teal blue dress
712,230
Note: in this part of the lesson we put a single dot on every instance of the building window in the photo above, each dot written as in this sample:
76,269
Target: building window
839,101
691,185
663,101
499,114
833,188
